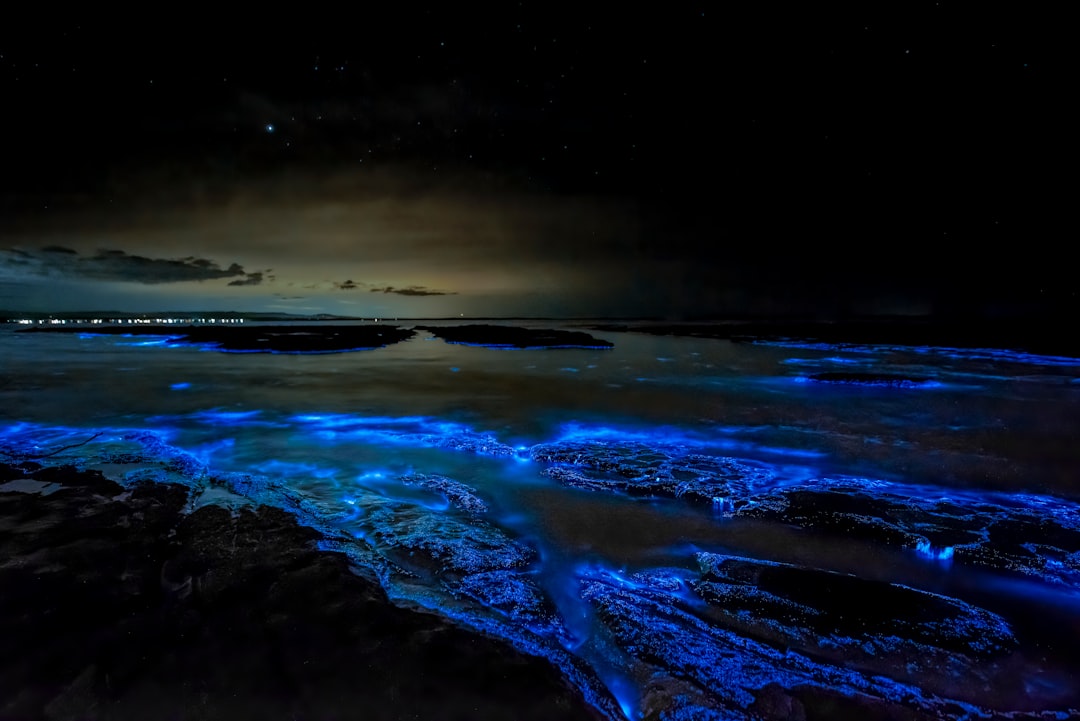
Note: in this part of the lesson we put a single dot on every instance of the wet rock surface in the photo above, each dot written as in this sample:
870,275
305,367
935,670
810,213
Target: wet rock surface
116,605
743,655
649,470
259,339
518,597
1025,534
689,664
414,536
213,599
871,625
502,336
458,494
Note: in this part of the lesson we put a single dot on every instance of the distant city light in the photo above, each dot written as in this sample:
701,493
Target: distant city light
129,321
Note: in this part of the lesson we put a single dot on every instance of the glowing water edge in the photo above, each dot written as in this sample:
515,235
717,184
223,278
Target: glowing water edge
685,528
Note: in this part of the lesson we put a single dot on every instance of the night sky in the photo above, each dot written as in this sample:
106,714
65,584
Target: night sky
538,159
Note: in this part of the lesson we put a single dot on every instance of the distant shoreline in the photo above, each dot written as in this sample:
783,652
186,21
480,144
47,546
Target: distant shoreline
1043,338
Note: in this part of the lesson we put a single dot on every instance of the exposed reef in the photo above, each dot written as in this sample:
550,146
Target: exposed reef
503,336
458,494
688,664
642,469
117,605
176,578
874,626
1021,533
299,339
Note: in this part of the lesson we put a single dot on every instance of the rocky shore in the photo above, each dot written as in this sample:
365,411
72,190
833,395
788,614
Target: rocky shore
119,603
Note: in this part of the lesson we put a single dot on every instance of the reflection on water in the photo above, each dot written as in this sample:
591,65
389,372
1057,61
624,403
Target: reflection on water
340,431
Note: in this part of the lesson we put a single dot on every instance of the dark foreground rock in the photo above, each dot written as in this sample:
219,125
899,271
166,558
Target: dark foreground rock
502,336
116,605
259,339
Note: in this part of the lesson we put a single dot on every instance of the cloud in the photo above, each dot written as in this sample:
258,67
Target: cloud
414,290
118,265
347,285
249,279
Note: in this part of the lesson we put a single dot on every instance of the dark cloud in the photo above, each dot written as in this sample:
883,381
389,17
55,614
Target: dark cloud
347,285
414,290
249,279
118,265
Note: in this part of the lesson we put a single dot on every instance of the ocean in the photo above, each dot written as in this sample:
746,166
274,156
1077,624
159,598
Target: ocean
446,451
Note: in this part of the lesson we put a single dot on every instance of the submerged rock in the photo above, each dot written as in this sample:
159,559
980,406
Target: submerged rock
650,470
1033,535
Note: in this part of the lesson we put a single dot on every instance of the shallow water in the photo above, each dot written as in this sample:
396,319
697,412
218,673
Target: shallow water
340,430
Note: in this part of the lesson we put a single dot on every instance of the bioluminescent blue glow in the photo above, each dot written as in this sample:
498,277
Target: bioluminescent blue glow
924,548
561,506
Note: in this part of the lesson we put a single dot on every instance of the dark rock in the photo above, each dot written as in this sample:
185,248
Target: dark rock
650,470
503,336
258,339
115,605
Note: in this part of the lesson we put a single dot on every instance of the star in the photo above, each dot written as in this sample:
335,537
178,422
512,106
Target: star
269,127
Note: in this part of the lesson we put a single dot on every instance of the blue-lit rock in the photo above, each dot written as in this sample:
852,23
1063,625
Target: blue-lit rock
643,469
465,442
518,597
458,494
687,661
1022,533
415,536
872,625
